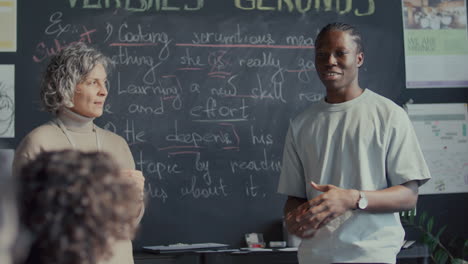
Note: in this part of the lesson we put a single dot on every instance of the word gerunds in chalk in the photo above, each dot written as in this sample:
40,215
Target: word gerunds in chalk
318,6
246,5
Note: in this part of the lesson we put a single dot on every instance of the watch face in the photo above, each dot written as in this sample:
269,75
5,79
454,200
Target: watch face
362,201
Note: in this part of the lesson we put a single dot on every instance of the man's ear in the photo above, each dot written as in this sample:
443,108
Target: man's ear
360,59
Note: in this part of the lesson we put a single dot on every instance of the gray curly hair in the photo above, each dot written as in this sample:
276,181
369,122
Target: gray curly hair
67,69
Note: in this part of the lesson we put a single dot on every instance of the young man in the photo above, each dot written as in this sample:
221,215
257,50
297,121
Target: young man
350,163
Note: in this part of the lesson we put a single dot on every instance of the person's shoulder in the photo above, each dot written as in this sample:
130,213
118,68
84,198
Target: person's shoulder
387,110
382,103
39,139
42,133
380,99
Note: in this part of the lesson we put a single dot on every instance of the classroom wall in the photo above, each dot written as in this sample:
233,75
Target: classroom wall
204,91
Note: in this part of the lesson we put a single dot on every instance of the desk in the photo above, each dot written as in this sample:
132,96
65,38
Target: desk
417,254
150,258
252,257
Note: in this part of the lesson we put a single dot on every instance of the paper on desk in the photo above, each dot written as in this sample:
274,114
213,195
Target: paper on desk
288,249
408,243
217,250
256,249
187,247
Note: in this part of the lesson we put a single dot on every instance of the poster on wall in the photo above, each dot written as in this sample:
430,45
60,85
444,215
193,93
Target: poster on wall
443,136
8,25
7,101
436,43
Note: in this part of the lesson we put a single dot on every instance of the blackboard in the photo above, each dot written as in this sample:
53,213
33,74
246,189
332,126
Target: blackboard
204,90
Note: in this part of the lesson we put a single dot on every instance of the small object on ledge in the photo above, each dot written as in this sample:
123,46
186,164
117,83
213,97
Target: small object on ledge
254,240
277,244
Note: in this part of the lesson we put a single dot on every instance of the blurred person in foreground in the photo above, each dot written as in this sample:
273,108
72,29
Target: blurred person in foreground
74,206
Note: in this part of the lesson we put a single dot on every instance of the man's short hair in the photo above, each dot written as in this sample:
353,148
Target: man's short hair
355,34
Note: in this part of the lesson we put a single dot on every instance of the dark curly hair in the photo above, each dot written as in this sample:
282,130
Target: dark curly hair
75,205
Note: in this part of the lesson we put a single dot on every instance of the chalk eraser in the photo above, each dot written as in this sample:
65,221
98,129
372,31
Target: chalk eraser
277,244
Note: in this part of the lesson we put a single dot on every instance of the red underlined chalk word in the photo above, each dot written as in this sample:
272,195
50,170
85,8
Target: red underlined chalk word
132,44
243,46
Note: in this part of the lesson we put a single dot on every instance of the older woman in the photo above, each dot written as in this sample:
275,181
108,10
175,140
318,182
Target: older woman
74,89
74,204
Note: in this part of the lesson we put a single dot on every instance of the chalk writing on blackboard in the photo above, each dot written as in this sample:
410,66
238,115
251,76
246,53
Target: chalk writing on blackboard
304,6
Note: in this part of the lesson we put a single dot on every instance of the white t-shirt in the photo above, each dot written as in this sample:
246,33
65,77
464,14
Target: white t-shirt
367,143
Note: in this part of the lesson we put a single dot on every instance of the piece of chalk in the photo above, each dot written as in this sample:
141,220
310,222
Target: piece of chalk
277,244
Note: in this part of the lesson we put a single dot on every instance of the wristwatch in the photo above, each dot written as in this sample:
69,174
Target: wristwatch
362,202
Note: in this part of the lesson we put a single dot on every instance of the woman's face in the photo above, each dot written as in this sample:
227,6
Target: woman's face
91,93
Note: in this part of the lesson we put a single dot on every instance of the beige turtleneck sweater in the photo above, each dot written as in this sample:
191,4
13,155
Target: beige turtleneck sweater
50,137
